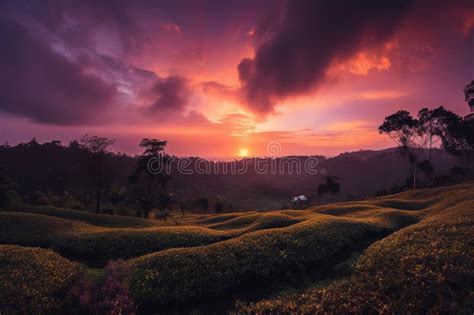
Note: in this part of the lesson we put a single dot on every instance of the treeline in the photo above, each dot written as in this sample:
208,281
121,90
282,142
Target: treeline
86,175
432,127
435,147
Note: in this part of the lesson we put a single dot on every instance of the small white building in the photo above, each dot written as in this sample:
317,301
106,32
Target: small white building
299,198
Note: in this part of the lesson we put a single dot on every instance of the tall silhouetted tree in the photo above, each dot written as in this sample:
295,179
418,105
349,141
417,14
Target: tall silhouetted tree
433,124
404,130
459,136
99,147
151,174
459,139
329,186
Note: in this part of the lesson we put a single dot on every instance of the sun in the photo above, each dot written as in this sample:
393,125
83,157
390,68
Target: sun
243,152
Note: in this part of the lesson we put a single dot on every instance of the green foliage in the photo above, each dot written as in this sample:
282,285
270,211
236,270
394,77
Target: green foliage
34,280
213,269
87,217
401,127
99,147
459,138
39,198
424,268
117,193
469,95
256,221
96,245
427,262
104,292
8,193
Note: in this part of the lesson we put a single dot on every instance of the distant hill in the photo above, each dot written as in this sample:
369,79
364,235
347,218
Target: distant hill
52,167
367,154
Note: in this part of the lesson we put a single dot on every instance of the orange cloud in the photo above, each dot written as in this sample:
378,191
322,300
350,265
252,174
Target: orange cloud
360,64
381,94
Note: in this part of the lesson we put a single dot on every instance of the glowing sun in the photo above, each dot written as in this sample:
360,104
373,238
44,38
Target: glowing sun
243,152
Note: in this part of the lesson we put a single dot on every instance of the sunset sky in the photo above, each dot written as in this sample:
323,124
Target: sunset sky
225,78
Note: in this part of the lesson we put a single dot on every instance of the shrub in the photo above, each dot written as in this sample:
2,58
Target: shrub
424,268
164,214
96,248
95,245
87,217
106,293
180,275
38,198
34,280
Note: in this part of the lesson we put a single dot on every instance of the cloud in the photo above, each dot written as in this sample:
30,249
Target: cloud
172,94
76,21
43,85
238,124
309,37
171,27
221,90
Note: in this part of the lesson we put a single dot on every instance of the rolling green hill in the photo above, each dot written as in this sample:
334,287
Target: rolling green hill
366,257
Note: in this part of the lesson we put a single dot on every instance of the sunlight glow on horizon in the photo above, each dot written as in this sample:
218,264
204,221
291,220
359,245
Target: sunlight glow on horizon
243,152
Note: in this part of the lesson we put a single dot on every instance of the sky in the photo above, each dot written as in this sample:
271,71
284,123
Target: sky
229,78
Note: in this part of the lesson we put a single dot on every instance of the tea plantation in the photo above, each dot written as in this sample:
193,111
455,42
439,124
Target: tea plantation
411,253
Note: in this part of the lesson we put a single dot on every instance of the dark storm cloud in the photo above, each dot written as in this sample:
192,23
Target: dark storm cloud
75,21
310,35
172,94
43,85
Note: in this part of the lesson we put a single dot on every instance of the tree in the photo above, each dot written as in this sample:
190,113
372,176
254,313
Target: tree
404,130
219,205
458,173
117,193
153,147
329,186
469,95
433,124
427,168
182,201
99,147
8,193
203,203
459,138
150,180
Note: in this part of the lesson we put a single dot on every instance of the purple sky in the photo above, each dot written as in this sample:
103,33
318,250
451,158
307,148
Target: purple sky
225,78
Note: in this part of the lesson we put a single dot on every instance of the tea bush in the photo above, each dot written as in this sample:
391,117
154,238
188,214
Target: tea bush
424,268
34,280
98,247
103,220
178,275
95,245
